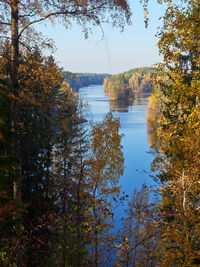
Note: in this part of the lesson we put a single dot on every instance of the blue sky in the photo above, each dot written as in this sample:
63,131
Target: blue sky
116,52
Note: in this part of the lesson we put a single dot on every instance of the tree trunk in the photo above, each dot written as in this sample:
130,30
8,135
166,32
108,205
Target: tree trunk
15,92
78,224
96,247
184,191
95,236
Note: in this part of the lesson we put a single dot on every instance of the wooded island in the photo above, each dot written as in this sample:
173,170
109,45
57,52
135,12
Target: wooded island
124,85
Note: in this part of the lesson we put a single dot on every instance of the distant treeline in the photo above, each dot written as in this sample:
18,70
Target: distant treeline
124,85
79,80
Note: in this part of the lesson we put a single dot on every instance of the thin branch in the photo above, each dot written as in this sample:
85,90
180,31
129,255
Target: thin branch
74,12
9,38
44,18
102,32
5,23
2,55
30,14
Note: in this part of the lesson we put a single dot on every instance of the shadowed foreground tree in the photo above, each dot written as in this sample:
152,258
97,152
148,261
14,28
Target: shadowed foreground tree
17,19
45,110
86,187
137,236
68,180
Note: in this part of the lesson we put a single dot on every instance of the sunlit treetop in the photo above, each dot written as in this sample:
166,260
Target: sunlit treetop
180,36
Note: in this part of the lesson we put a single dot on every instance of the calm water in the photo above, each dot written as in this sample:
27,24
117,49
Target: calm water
132,116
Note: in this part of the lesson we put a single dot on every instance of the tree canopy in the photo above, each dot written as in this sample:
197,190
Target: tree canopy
82,12
175,104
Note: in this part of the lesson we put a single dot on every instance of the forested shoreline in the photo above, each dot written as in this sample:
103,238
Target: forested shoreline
78,80
125,85
59,172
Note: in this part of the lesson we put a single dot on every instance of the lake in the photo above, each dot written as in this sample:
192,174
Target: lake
132,115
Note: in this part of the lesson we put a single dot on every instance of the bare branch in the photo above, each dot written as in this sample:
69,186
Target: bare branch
44,18
5,23
86,13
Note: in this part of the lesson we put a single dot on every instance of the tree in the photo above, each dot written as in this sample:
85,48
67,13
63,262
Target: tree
17,18
36,118
177,81
126,84
179,89
137,236
48,109
178,241
68,172
104,173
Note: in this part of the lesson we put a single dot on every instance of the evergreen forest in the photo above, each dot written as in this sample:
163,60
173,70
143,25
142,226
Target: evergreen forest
78,80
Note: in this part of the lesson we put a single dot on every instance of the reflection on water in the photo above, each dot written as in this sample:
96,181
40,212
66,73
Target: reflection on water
153,139
132,115
121,105
125,105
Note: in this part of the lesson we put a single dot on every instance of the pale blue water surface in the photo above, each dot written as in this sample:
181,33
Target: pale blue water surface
132,116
